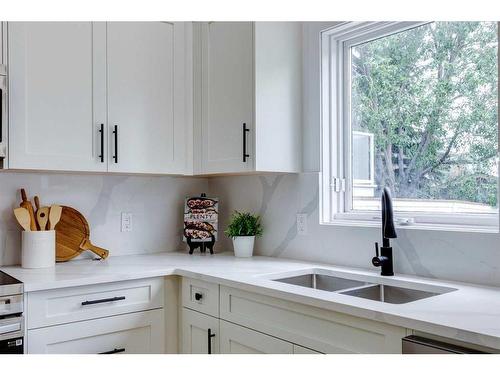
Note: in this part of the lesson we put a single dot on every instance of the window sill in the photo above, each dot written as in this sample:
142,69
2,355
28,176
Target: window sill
415,226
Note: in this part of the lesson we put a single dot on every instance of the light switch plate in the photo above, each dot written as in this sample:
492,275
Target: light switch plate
126,222
301,224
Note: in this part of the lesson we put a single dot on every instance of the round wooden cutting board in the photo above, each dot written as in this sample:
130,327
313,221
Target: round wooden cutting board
73,236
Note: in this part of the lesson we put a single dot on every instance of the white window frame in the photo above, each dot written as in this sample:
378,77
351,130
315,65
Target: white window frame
335,182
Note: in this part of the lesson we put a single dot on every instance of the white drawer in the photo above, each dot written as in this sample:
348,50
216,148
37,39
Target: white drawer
200,296
135,333
58,306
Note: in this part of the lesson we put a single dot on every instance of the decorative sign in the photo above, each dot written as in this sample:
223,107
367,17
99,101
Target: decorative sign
201,222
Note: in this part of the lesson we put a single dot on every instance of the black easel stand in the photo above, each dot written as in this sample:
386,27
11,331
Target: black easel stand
202,245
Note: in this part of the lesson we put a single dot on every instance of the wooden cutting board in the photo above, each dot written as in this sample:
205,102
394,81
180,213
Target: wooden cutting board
73,236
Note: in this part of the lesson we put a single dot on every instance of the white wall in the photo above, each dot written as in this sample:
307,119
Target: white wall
468,257
311,95
155,202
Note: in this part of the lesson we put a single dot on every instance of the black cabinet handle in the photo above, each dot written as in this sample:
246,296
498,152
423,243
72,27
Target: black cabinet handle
198,296
210,336
115,132
95,301
114,351
101,132
245,155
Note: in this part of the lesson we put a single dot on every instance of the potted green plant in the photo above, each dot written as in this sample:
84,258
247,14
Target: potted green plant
243,228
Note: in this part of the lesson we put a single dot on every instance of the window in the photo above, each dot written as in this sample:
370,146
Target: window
412,107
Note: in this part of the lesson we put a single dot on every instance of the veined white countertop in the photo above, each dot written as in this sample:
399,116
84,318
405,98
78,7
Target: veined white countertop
470,314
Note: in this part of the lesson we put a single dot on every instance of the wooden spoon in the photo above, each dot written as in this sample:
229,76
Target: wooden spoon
37,202
27,205
23,218
54,216
42,216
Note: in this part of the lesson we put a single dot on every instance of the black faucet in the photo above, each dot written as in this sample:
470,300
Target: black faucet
384,259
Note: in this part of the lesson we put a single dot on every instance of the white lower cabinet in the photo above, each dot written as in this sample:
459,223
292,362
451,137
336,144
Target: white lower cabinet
253,323
135,333
318,329
200,333
235,339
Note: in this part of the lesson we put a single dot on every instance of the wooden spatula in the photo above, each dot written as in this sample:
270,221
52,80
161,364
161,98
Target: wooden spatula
23,218
42,216
27,205
54,216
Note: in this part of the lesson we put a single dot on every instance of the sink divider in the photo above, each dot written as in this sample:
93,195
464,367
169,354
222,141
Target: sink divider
340,291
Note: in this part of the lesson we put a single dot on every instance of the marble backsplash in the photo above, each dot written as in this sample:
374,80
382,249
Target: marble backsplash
467,257
155,202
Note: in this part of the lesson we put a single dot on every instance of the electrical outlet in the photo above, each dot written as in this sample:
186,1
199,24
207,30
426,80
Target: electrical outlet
301,224
126,222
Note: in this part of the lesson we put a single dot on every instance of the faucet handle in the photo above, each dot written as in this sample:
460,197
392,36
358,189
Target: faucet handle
376,250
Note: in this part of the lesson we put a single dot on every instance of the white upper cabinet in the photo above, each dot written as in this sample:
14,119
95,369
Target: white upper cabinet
99,96
226,96
248,110
146,96
56,95
155,97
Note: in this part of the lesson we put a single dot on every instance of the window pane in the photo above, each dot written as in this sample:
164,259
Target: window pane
361,156
429,97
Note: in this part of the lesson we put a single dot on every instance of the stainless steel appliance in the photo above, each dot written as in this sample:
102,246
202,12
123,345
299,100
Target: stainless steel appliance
3,115
11,315
423,345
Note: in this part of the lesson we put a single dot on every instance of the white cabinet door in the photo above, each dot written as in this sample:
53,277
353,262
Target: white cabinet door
200,333
146,97
235,339
136,333
227,96
56,95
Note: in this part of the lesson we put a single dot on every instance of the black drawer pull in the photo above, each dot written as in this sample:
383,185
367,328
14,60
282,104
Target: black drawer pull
245,154
210,336
198,296
115,132
93,302
101,132
114,351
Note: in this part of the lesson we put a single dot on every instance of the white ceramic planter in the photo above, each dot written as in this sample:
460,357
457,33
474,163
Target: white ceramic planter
38,249
243,246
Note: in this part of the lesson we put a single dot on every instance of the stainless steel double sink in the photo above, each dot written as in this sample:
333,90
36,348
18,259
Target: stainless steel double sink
320,280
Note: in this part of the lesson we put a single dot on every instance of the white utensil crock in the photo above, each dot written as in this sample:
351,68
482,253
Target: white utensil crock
38,249
243,246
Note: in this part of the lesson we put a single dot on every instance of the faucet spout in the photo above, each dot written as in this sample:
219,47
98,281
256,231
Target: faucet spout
384,260
388,230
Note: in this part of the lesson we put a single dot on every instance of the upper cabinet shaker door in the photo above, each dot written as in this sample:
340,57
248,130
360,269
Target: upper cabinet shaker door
146,97
56,95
